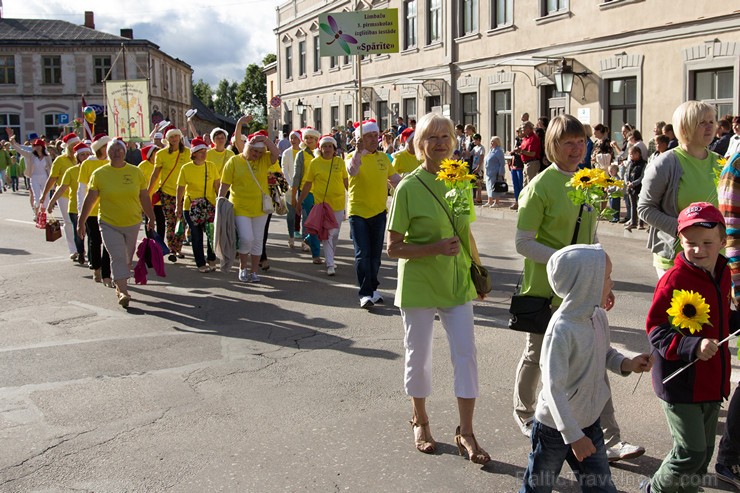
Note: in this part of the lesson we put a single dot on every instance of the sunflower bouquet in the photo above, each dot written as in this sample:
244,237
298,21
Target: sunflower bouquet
720,166
591,187
689,310
456,177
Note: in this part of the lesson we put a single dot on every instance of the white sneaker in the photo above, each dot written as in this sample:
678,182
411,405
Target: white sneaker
253,277
330,271
243,275
366,302
624,450
377,297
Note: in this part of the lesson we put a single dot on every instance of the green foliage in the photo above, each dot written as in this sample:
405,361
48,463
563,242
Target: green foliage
269,58
203,91
225,101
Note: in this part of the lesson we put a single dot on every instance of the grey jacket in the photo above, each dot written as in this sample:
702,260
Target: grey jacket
224,229
576,350
658,203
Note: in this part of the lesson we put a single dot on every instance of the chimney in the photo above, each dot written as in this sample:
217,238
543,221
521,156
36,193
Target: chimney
89,19
127,33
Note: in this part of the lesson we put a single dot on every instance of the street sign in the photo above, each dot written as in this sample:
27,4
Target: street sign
358,33
275,102
62,118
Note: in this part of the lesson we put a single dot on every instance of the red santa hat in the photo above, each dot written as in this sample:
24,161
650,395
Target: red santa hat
148,151
217,131
99,141
70,140
172,130
407,134
310,132
81,148
115,142
197,144
297,133
327,139
251,137
367,126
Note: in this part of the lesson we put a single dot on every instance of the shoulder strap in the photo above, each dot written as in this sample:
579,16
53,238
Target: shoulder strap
172,170
331,168
249,167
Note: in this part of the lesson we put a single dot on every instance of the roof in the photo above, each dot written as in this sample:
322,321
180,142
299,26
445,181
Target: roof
207,114
50,31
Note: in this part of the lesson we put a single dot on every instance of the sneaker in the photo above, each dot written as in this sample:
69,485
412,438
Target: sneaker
524,426
728,474
172,258
330,271
377,297
514,207
243,275
624,450
645,486
124,299
74,256
366,302
204,269
253,277
212,265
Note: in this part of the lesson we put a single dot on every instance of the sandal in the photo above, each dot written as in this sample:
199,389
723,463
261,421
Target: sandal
475,453
265,265
96,276
108,282
204,269
423,441
124,299
318,260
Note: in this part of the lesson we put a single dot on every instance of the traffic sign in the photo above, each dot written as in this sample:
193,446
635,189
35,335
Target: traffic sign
275,102
62,118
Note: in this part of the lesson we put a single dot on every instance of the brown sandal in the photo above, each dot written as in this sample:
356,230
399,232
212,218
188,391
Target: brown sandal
475,453
425,443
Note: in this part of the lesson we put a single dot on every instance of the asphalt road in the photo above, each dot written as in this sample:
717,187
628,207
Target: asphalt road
208,384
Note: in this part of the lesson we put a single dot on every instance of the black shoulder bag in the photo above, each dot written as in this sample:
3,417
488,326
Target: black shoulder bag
532,313
479,274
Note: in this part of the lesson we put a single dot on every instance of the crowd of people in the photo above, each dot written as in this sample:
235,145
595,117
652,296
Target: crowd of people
219,194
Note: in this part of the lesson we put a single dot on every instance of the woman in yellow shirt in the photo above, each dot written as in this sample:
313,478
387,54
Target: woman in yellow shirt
302,164
167,164
329,174
122,191
198,179
246,176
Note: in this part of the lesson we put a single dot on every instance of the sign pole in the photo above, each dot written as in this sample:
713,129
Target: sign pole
358,61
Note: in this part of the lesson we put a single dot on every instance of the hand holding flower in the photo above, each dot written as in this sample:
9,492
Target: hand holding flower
639,364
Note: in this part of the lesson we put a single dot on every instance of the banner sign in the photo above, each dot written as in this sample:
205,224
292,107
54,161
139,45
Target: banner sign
128,109
358,33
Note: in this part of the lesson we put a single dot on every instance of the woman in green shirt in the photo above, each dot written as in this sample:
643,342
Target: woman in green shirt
434,278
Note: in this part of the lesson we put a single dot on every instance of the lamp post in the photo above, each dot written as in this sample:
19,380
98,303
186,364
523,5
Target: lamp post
564,76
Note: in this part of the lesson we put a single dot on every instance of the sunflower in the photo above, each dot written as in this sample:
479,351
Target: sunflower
688,310
609,181
585,178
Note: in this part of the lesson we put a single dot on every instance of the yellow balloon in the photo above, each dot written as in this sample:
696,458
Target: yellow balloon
89,114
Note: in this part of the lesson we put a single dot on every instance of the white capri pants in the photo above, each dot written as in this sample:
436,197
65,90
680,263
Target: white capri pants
458,324
38,182
69,231
121,244
330,244
250,231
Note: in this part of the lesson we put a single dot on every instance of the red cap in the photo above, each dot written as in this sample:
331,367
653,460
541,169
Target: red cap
70,139
38,142
197,144
700,214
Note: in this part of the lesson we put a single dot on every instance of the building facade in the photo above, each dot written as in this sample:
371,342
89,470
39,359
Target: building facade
486,62
48,66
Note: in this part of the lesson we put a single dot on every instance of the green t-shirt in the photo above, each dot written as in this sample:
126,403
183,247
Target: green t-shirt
697,184
5,159
437,281
544,207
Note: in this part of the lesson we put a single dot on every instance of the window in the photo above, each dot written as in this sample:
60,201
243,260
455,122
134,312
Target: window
502,117
346,59
302,119
333,61
289,119
301,58
316,54
348,116
51,129
13,121
101,67
383,115
715,87
334,116
366,111
502,13
469,17
409,31
317,119
553,6
434,22
288,62
470,109
409,109
433,102
622,104
52,69
552,101
7,70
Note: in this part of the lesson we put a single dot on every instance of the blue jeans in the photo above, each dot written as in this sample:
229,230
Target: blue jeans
517,178
547,457
311,240
367,237
614,203
290,219
196,241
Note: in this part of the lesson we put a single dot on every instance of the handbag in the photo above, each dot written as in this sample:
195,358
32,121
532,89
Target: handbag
157,196
201,210
267,206
478,274
532,313
500,187
53,230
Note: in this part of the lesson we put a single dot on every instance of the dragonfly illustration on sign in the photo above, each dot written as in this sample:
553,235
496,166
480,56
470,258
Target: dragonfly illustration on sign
333,30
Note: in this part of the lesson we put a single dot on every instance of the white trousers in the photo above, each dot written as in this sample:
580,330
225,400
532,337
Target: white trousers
458,324
69,230
38,182
330,244
251,231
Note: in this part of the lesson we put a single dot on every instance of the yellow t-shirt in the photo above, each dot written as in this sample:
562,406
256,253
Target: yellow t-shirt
119,190
318,175
368,189
245,194
219,158
60,166
147,167
70,178
405,162
193,177
87,168
307,158
170,162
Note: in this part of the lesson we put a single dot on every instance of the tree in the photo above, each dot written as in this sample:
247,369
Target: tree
269,58
203,91
225,101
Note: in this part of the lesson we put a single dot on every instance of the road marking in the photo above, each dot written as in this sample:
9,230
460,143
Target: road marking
73,342
21,222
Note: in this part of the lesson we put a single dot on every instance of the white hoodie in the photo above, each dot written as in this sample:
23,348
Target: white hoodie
576,350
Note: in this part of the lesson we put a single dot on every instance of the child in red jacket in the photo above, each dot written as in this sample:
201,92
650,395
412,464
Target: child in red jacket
691,400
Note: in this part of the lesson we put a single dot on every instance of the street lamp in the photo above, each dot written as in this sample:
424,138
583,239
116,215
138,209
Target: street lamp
564,75
301,107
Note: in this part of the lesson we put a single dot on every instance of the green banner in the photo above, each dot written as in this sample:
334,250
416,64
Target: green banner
358,33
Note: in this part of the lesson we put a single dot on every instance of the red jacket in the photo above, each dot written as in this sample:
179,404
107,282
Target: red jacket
705,381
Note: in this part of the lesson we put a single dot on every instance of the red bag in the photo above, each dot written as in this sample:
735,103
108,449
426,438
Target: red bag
41,219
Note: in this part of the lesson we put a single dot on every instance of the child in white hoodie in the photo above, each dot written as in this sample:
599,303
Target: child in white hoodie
576,353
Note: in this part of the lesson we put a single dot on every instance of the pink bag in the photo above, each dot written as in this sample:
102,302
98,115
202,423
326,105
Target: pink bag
320,220
41,219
